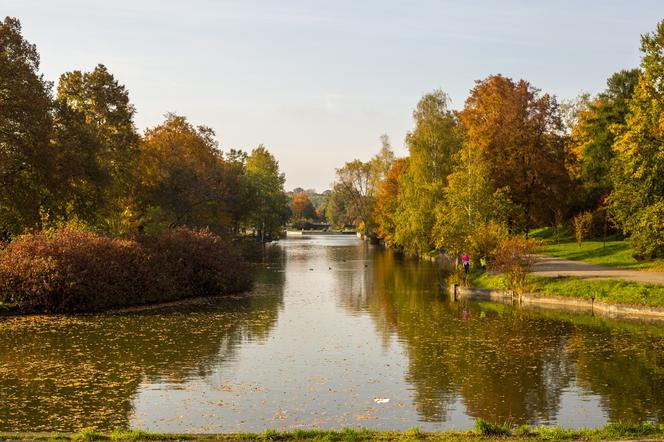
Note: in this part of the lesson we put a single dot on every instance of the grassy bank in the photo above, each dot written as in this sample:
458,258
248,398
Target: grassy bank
483,431
616,252
609,290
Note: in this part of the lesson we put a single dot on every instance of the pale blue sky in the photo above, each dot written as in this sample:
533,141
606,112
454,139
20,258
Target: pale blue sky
319,81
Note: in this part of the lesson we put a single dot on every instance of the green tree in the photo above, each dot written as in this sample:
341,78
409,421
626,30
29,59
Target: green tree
242,200
470,203
593,136
637,202
271,208
25,127
432,145
95,122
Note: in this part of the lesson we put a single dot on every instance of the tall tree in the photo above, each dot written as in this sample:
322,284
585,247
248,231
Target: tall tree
271,210
518,130
593,136
388,202
241,201
25,127
432,144
637,201
96,120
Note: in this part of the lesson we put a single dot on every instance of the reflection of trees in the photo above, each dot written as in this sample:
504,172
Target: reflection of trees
627,371
65,373
506,364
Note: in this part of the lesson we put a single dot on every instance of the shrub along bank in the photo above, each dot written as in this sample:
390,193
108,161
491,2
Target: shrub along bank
73,270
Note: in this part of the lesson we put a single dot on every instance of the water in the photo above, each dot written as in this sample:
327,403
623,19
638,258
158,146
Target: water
332,324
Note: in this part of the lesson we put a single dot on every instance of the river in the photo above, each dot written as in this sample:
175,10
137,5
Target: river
337,333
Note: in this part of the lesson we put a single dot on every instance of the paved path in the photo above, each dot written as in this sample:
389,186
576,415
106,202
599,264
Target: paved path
552,266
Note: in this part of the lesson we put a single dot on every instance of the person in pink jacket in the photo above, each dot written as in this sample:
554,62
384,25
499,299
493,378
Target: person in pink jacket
466,263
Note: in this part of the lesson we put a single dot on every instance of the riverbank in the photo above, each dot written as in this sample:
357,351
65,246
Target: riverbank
483,431
614,298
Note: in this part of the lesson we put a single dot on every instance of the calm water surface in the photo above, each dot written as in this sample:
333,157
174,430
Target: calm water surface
332,324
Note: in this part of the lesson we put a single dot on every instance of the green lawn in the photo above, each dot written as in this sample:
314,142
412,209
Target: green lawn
609,290
483,431
615,253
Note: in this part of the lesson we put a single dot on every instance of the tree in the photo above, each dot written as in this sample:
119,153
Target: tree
242,200
382,162
270,212
432,144
593,136
355,187
388,201
519,133
95,130
637,202
25,127
301,207
470,203
183,177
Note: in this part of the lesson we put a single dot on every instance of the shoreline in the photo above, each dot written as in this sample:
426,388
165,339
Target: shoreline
577,305
199,300
483,431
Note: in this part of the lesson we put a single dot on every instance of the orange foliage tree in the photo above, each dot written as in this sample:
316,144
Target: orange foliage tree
301,207
519,133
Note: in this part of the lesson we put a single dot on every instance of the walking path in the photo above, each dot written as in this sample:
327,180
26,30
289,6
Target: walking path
552,266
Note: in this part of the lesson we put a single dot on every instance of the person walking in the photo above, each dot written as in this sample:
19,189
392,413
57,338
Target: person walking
466,263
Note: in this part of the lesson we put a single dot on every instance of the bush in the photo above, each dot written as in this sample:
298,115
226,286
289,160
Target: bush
72,270
515,258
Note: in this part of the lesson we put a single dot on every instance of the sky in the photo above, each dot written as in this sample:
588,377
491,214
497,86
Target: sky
317,82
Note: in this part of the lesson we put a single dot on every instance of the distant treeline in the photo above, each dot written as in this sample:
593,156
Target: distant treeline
72,155
513,159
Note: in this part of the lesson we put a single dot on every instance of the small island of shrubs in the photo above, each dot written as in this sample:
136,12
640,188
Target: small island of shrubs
74,270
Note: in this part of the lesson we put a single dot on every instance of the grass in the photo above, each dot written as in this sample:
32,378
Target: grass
607,290
617,252
483,431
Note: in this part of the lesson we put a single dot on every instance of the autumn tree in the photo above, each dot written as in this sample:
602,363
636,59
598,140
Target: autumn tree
183,177
271,205
382,162
388,202
518,131
301,207
637,202
25,127
432,145
355,187
97,145
353,196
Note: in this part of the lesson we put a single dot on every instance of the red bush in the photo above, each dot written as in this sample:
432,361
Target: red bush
79,271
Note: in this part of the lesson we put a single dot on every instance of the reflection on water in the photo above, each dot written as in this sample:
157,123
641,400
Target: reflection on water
332,324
